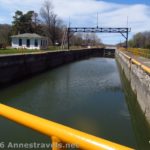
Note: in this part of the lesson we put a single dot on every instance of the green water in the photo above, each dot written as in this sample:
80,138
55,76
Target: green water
87,95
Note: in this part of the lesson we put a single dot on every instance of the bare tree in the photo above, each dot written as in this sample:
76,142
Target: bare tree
80,39
46,12
5,32
76,39
52,22
92,39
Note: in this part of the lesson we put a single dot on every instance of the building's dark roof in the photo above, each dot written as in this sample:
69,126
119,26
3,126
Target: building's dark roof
28,35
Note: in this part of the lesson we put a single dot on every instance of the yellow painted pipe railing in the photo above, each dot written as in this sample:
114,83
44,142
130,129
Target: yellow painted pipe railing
145,68
57,132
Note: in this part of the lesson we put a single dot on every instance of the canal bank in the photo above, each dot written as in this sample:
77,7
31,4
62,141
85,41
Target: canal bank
17,67
139,122
139,80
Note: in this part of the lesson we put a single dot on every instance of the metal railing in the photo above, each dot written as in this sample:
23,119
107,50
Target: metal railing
132,60
59,133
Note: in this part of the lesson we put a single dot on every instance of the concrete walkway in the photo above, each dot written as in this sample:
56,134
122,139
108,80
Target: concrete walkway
142,60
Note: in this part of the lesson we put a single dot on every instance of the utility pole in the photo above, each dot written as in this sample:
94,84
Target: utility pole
127,38
97,19
127,33
68,34
68,38
127,21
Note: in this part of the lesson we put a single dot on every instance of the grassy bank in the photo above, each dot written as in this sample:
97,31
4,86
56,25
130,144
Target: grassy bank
23,51
50,48
140,52
17,51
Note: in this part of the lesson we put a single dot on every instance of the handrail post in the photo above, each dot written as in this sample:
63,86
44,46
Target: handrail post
57,144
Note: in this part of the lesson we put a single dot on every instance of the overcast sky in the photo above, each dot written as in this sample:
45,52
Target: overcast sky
112,13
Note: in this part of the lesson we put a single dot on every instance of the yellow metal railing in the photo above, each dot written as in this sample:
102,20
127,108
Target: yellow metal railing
145,68
57,132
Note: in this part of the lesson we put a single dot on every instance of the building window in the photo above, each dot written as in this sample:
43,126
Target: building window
28,42
20,42
41,43
36,43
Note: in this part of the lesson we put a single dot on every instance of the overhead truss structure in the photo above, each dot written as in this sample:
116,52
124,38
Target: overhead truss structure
123,31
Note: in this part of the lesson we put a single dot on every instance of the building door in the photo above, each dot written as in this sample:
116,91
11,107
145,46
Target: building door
20,42
28,42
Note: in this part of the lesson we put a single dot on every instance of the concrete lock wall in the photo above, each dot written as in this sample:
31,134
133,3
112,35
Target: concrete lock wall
16,67
140,82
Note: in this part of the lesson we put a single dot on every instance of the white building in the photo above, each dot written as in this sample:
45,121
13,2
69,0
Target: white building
29,41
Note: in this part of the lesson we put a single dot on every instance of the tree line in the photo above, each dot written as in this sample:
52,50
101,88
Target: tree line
140,40
46,23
